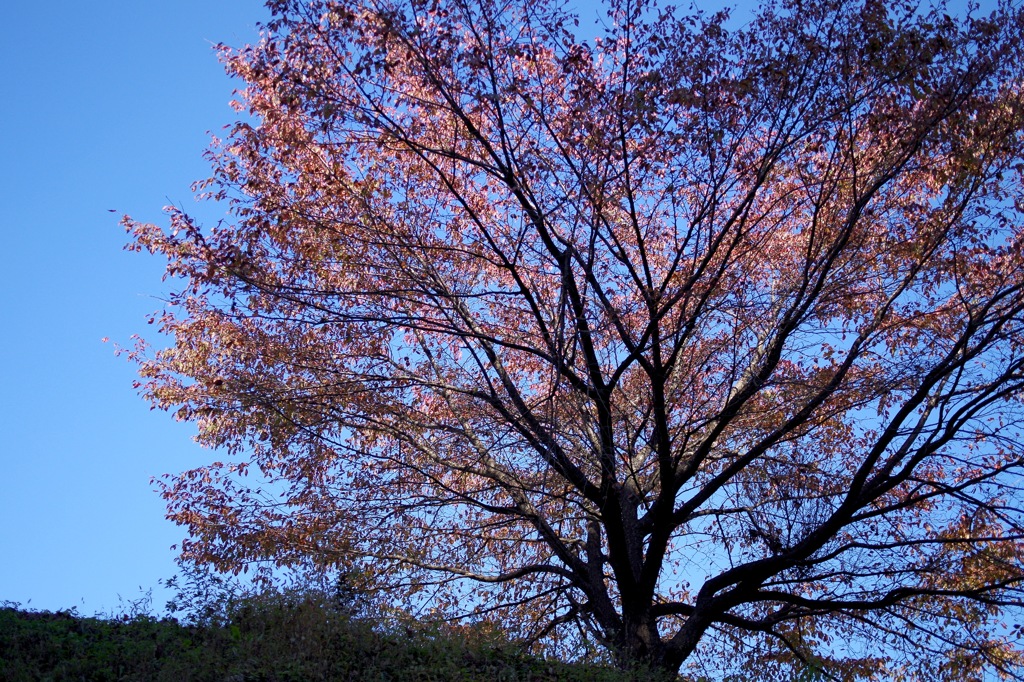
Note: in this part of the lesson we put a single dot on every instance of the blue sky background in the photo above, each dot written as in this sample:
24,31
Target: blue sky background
104,106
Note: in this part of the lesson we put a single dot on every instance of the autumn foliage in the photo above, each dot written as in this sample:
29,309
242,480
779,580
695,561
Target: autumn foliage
697,338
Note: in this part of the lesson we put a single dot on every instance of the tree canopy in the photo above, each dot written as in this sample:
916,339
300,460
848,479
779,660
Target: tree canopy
693,338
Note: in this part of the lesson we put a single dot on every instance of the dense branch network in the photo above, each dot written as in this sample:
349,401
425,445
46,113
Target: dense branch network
685,339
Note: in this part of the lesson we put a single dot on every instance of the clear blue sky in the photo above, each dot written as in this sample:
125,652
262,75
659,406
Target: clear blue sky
104,106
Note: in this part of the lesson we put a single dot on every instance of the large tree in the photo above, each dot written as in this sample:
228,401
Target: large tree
697,341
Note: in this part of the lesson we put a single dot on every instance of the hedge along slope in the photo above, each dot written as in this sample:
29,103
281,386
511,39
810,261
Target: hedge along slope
265,641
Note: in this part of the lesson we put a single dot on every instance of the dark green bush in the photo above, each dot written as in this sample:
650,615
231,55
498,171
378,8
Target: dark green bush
272,637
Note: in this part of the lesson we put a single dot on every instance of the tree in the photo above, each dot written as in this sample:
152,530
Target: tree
701,343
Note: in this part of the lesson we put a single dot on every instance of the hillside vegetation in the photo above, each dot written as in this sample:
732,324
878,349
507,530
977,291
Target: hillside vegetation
266,638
